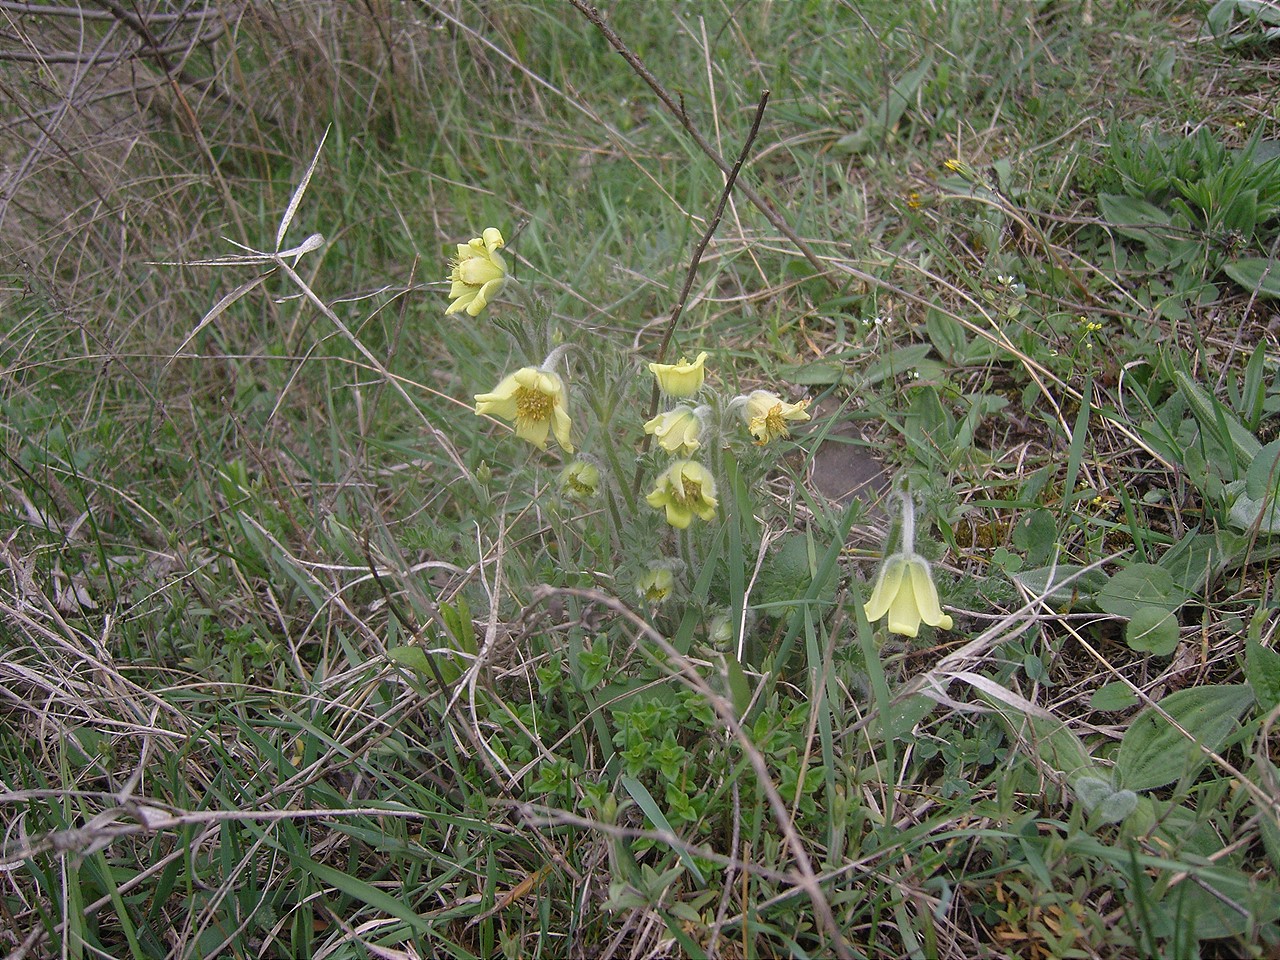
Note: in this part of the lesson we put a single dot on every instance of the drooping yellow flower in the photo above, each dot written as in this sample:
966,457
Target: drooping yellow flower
767,415
905,591
677,430
478,273
535,401
683,379
685,489
579,480
656,584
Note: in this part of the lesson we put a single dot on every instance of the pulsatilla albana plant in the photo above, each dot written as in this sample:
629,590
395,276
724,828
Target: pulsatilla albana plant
660,506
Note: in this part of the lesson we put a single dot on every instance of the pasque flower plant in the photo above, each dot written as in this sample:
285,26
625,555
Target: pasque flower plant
535,399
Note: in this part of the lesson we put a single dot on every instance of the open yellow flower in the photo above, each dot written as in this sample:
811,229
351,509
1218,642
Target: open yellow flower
683,379
905,591
656,584
685,489
535,401
677,430
767,415
478,273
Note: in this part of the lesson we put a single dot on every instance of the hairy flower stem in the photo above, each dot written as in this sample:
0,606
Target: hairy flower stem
908,523
603,416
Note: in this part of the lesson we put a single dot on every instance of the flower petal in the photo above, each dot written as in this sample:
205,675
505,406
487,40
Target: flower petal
926,595
885,589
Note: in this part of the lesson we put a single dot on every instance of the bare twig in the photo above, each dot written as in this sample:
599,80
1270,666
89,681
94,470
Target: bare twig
694,261
677,110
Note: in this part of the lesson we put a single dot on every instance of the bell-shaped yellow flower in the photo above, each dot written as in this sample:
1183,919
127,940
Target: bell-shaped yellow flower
685,489
478,273
579,480
535,401
677,430
683,379
905,591
767,415
656,584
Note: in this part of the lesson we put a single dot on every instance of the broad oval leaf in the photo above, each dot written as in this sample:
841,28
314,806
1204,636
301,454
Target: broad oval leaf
1154,753
1256,273
1152,630
1140,586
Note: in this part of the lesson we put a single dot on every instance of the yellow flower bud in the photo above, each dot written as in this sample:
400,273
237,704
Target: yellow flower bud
656,584
683,379
478,273
677,430
579,480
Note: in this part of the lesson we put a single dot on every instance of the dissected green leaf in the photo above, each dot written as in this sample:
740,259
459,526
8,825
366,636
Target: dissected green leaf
1154,753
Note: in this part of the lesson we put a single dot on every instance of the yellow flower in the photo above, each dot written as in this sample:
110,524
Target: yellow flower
677,430
535,401
683,379
905,591
767,415
579,480
656,585
477,274
685,488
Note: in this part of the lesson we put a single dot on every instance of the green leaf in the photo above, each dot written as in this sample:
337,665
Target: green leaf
1138,586
739,685
413,657
813,374
1263,476
1262,670
1036,534
1154,753
1061,583
1152,630
365,893
1112,696
1256,274
1214,416
644,800
1195,562
895,363
1134,218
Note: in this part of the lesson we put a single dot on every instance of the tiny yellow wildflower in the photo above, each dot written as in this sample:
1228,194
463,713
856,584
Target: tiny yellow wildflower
535,401
677,430
656,584
478,273
905,591
685,489
767,415
683,379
